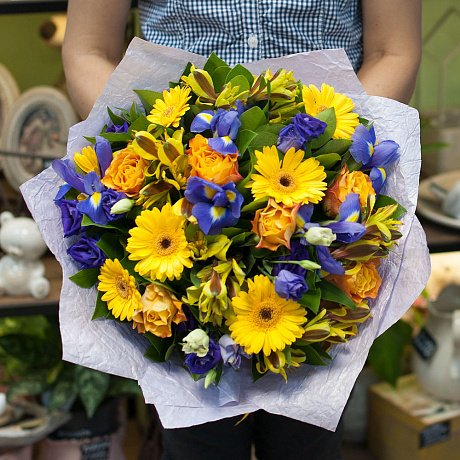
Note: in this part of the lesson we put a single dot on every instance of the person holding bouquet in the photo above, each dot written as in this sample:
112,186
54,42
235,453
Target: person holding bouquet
383,42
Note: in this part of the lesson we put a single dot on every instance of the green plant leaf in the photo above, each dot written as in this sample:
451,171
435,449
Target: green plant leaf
383,200
148,98
240,70
140,124
264,139
92,387
239,81
157,352
243,139
253,118
61,393
120,386
312,356
339,146
311,300
328,160
256,204
333,293
328,116
123,225
213,63
110,245
100,309
86,278
385,354
116,119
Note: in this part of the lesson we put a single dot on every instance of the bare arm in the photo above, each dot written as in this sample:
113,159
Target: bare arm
93,46
392,47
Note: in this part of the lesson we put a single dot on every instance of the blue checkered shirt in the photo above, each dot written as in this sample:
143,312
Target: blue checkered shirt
249,30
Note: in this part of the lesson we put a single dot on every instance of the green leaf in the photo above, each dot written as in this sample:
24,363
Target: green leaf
240,70
101,309
213,63
124,225
273,128
264,139
385,354
157,352
110,245
129,265
384,200
328,116
312,356
256,204
328,160
61,393
116,119
218,77
333,293
148,98
92,387
256,375
253,118
26,387
140,124
243,139
311,300
239,81
86,278
36,352
120,386
339,146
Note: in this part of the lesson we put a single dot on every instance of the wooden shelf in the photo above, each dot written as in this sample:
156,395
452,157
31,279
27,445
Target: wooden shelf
21,306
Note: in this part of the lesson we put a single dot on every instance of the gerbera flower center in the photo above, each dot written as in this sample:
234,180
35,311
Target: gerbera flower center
321,108
169,111
266,315
284,182
164,244
122,287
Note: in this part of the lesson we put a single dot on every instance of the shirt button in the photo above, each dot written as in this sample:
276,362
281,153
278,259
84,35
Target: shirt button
253,41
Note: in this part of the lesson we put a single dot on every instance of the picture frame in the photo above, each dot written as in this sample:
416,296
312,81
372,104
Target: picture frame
35,132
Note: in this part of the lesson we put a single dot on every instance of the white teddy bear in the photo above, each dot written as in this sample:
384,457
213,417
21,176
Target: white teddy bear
21,271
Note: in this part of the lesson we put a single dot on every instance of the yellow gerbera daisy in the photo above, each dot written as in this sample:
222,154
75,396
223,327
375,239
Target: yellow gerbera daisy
169,111
121,294
87,160
158,242
263,320
316,101
289,181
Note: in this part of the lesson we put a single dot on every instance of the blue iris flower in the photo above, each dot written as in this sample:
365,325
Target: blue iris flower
347,230
104,154
224,124
378,177
214,207
365,150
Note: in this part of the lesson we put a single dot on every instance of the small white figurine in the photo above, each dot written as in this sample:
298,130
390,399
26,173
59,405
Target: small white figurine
21,270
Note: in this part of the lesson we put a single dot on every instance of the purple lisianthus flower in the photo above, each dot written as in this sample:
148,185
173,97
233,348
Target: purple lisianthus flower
71,216
231,352
298,252
202,365
367,151
87,253
290,137
214,207
288,285
118,128
302,129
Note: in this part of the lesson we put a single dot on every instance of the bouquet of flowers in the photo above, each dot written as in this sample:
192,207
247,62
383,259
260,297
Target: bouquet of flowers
231,222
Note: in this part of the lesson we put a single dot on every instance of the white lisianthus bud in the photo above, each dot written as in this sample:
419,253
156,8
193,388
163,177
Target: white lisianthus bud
196,342
320,236
210,377
122,206
309,265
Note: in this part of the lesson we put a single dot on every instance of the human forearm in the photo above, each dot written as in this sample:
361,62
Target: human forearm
392,47
92,48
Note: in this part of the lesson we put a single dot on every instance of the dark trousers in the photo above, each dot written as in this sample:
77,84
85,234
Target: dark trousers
274,437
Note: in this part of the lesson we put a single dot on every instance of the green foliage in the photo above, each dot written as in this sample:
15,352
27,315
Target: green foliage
385,354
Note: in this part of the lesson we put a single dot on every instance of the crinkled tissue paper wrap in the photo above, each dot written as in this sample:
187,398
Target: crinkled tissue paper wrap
316,395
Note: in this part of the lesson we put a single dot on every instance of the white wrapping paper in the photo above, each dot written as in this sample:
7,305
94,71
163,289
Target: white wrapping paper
315,395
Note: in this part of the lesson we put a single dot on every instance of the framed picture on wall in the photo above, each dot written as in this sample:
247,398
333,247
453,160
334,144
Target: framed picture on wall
35,132
9,92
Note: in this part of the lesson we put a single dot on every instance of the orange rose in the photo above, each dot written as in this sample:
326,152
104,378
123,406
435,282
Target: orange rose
126,172
160,309
211,165
275,225
361,285
345,183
